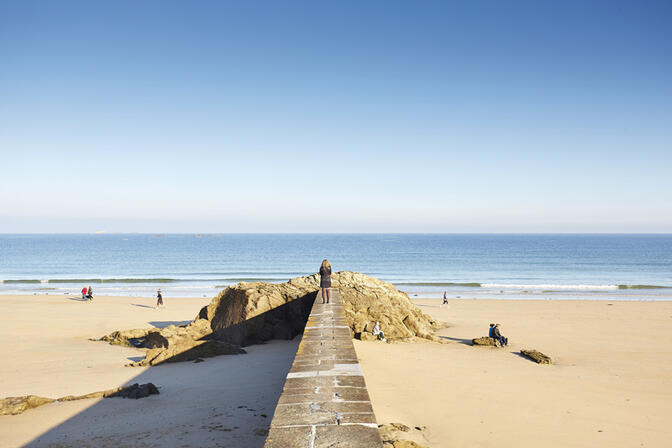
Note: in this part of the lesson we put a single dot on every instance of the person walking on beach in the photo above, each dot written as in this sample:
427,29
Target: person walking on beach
159,299
325,279
445,298
498,336
84,293
89,295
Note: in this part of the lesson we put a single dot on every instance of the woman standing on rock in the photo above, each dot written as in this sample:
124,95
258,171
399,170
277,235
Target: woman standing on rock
325,279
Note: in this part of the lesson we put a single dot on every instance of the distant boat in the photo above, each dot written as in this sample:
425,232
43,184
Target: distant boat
98,232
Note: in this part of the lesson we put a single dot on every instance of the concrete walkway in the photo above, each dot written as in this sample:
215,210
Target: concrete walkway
325,402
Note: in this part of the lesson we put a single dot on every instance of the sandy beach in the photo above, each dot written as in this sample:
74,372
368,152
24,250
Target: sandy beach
610,386
224,401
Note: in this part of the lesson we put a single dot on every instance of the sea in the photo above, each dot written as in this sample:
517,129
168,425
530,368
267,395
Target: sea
464,266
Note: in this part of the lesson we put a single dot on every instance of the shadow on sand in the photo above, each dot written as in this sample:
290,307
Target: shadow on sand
460,340
222,401
142,306
165,323
524,357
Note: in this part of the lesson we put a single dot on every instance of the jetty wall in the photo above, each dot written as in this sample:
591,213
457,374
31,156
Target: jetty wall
324,402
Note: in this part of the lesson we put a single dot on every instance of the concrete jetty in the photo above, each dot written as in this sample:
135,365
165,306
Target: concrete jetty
324,402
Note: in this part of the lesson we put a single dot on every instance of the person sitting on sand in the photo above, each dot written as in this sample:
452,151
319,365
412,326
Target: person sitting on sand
84,293
378,332
498,336
159,299
325,279
492,328
89,295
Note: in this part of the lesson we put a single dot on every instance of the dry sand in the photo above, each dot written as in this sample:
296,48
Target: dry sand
45,351
610,386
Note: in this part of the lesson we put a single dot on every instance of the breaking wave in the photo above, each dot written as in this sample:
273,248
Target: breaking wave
545,287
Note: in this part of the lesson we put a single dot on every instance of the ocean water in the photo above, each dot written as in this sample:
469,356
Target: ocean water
600,267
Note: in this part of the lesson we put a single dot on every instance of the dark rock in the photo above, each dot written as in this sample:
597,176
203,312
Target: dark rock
536,356
484,341
154,339
134,391
400,427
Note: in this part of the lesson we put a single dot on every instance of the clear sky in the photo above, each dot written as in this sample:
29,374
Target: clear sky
336,116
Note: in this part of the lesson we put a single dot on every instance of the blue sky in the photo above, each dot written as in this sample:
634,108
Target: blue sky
473,116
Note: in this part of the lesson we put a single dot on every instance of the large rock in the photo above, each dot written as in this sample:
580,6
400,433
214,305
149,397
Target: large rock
367,300
251,313
254,312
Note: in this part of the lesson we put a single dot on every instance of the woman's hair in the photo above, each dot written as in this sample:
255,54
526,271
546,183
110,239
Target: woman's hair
326,264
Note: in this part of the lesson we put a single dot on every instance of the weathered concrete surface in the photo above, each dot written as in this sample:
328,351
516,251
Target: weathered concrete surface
325,402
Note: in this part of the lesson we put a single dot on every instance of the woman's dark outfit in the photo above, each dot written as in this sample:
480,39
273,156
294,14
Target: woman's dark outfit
325,274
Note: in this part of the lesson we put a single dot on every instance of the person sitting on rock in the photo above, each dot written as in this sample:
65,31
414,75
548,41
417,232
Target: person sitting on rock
503,341
378,332
492,328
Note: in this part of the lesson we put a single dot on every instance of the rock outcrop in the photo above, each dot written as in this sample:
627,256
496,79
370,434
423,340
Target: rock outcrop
17,405
536,356
367,300
133,391
390,434
484,341
186,349
251,313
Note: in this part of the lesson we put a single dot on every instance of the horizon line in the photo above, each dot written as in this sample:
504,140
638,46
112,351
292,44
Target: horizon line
335,233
